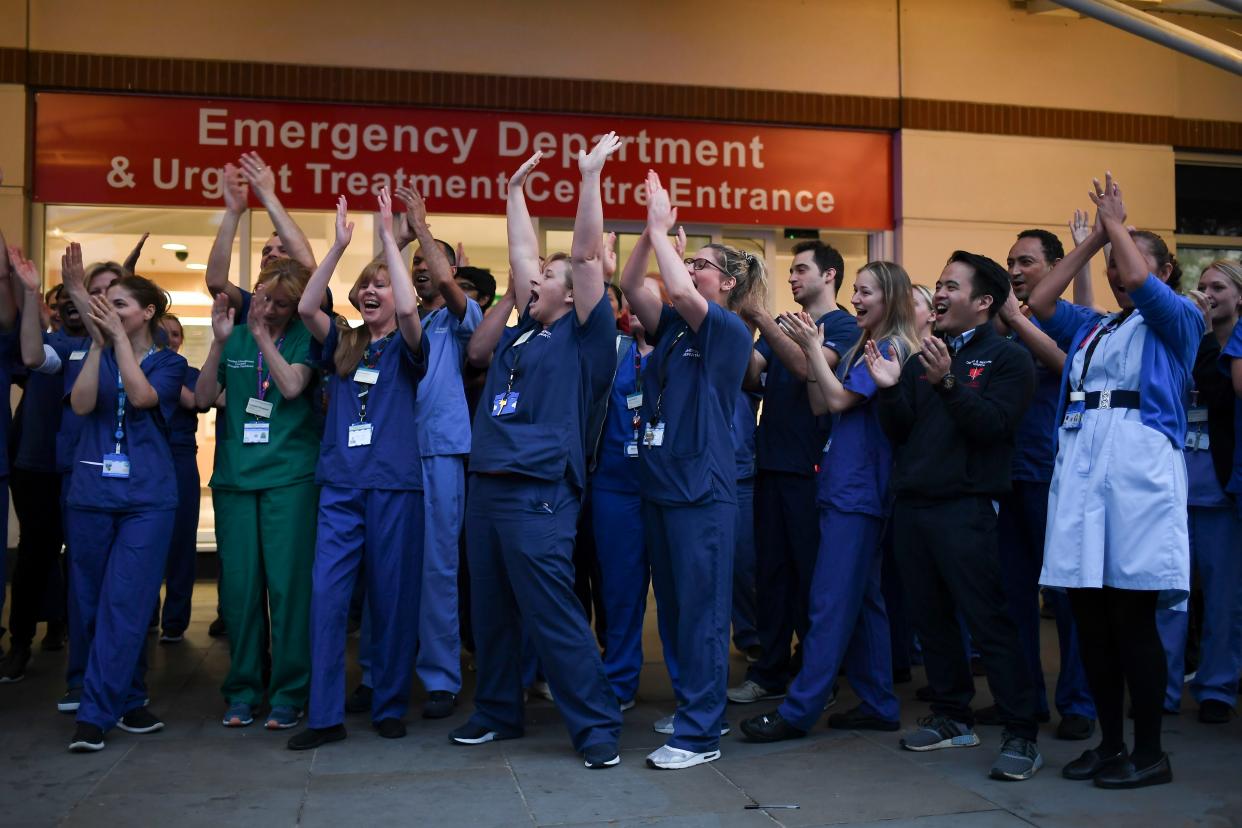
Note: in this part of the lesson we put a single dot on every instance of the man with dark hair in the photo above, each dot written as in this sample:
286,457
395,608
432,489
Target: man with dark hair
1023,516
788,444
951,413
478,283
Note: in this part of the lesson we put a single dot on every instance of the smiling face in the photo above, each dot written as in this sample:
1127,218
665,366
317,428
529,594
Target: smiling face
275,307
274,249
956,312
68,314
924,314
806,280
422,278
176,336
550,292
134,316
373,293
1223,295
868,301
712,282
1027,264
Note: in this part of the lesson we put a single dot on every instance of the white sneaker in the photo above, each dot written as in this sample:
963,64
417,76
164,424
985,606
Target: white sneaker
628,704
671,758
665,727
748,692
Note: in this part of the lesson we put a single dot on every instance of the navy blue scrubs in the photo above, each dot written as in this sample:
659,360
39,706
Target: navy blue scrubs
689,487
745,634
528,470
370,514
118,530
183,546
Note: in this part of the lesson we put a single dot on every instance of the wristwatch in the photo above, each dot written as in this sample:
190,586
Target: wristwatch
948,381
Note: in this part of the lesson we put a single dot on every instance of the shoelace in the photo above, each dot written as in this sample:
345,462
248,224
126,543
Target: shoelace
1017,745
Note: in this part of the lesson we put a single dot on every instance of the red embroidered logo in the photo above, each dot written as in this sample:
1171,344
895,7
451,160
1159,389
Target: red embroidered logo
975,373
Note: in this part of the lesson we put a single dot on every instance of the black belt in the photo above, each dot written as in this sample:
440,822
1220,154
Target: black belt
1112,399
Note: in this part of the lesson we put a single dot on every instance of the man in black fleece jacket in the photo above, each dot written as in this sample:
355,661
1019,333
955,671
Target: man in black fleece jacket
951,413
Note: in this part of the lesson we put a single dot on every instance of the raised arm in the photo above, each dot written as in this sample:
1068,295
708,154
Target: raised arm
645,304
587,249
73,276
437,263
486,336
310,306
1039,343
290,379
30,332
523,243
236,191
826,393
8,297
1131,264
263,182
1084,291
399,276
131,261
661,217
138,389
1044,296
85,393
207,389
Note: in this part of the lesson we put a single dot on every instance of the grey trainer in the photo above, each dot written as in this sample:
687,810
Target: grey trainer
937,732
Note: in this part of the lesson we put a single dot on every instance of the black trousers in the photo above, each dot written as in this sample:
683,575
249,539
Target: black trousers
947,554
36,500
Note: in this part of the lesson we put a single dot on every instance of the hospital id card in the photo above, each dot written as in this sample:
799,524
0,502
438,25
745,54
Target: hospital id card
359,434
631,448
1197,414
633,401
253,433
368,376
259,408
505,404
1074,411
654,435
116,465
74,356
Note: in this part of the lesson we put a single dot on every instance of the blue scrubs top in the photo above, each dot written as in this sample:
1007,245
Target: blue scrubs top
1035,445
184,424
691,386
859,460
42,405
441,416
615,470
790,437
744,415
393,459
70,423
563,372
149,485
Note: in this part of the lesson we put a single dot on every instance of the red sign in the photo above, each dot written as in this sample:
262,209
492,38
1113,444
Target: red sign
117,149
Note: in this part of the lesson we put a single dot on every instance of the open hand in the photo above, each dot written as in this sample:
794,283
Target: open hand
415,208
590,163
221,318
679,241
385,213
936,359
258,174
1080,226
1198,297
661,215
254,319
344,227
1107,199
519,178
236,190
885,371
106,320
24,269
801,328
71,271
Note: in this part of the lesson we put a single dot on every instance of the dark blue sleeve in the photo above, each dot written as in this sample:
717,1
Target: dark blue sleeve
415,358
764,349
840,332
244,311
668,317
191,377
323,354
725,344
858,379
166,375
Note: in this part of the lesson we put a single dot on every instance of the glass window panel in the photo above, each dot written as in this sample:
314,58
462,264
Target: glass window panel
853,250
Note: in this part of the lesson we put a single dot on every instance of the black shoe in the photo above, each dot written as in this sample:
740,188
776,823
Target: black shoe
86,739
1125,775
476,734
439,704
1074,728
313,737
359,701
901,675
857,719
1089,765
925,693
599,756
391,728
753,653
54,638
1211,711
770,727
217,628
13,668
140,720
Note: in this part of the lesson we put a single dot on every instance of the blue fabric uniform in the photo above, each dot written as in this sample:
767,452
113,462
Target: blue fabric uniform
183,546
118,531
848,624
789,444
689,487
370,515
528,470
1021,525
617,524
745,634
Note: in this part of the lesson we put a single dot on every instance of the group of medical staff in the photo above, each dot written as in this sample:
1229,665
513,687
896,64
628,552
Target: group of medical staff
348,462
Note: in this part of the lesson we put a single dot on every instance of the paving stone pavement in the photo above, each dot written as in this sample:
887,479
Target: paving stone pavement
196,772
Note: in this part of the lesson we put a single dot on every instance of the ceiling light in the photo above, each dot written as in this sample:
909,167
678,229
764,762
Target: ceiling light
175,247
195,266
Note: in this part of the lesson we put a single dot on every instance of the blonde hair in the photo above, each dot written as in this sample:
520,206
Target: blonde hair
748,272
897,325
288,274
925,292
352,343
1231,269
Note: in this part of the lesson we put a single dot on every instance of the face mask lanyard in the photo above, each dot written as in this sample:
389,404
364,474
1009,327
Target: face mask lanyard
121,397
264,379
662,377
370,359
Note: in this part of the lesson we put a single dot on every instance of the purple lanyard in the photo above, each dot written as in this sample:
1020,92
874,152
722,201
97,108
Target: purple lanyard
265,380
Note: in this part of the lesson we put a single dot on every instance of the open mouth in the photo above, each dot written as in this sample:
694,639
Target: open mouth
940,308
370,304
534,296
422,278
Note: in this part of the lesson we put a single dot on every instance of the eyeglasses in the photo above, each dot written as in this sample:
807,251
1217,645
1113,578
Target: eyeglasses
701,264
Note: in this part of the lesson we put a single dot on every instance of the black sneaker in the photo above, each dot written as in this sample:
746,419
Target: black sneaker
858,719
475,734
13,668
87,738
140,720
603,755
1211,711
217,628
439,705
1073,728
359,701
770,727
313,737
391,728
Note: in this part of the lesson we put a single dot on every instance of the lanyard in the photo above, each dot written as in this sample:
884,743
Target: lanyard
119,434
1113,325
516,348
662,375
370,359
265,380
637,419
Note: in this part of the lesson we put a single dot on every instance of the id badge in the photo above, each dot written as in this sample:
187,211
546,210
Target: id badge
654,435
116,465
1197,414
259,408
633,401
1073,415
368,376
504,404
75,356
255,433
359,434
631,448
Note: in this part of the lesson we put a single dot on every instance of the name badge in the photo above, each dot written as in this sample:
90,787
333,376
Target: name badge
255,433
631,448
654,435
633,401
1197,441
1198,414
259,408
359,434
505,404
1073,415
116,465
77,355
370,376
